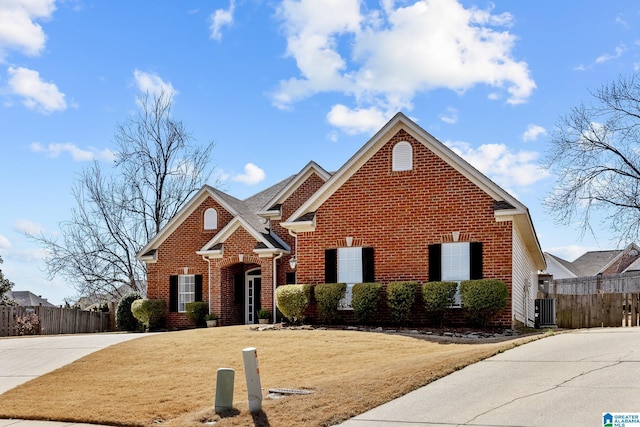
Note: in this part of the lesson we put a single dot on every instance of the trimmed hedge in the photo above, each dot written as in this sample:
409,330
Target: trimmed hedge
293,300
438,297
483,298
196,312
149,312
328,295
364,300
124,317
400,299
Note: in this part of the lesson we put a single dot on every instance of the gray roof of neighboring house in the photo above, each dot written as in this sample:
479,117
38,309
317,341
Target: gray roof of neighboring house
592,262
566,264
29,299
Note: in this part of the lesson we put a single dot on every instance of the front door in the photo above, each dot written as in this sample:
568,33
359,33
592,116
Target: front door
253,282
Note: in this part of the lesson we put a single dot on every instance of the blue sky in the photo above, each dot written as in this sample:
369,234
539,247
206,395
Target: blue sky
276,84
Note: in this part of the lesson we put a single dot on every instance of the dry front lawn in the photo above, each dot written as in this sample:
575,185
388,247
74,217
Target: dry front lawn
169,379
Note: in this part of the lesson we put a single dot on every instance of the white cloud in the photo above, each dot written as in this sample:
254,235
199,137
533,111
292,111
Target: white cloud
450,116
38,95
77,154
533,132
356,121
18,29
153,84
221,18
498,162
253,175
4,242
383,58
570,252
27,226
608,57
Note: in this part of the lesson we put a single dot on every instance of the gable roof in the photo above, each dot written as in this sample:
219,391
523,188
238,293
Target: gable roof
237,208
28,299
506,205
593,263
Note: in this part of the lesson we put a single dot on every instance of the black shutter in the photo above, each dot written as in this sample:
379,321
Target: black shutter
475,252
368,272
330,265
173,293
291,278
238,288
198,290
435,262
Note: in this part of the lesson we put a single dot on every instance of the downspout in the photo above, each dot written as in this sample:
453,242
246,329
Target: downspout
209,280
275,284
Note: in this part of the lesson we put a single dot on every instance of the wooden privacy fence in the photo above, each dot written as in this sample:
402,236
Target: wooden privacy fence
591,302
51,321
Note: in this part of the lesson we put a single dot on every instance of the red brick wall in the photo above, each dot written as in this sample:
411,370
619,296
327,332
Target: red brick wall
401,213
293,202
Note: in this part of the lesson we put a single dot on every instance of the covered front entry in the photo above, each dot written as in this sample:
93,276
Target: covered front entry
253,290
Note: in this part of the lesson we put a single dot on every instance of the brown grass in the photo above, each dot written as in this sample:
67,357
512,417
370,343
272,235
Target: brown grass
169,379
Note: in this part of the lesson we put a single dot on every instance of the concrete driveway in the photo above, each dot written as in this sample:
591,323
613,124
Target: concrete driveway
568,379
24,358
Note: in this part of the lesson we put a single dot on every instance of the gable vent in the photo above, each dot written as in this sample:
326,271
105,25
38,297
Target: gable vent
402,157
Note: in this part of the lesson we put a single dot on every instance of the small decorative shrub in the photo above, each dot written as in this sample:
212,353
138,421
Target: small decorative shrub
210,316
438,297
364,300
400,298
27,324
328,295
150,312
293,300
196,311
124,317
483,298
263,313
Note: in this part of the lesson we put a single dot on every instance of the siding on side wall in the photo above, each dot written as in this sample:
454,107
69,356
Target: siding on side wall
524,275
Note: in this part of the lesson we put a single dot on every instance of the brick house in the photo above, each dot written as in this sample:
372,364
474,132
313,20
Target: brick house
404,207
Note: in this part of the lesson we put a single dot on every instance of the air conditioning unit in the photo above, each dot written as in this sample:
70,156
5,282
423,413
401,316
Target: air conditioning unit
545,312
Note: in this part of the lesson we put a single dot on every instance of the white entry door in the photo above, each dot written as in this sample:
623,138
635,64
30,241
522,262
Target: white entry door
253,286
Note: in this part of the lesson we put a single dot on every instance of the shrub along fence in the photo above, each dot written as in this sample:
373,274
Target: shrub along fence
591,302
41,320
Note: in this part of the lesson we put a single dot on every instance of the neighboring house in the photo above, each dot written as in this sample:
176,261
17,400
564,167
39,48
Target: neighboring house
595,263
404,207
29,299
93,302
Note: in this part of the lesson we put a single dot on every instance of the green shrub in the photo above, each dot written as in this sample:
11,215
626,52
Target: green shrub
196,312
483,298
263,313
124,317
328,295
438,297
293,300
364,300
150,312
400,298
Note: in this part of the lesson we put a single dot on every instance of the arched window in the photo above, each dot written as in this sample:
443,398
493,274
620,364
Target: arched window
210,219
402,157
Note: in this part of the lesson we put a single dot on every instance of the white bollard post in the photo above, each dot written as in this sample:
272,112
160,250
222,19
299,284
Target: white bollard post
252,372
224,389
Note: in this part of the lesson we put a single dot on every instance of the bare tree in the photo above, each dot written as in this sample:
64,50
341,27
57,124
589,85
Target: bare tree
5,287
157,169
595,153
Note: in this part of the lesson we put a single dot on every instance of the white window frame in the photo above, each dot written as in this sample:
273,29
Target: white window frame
186,291
456,265
349,272
402,157
210,219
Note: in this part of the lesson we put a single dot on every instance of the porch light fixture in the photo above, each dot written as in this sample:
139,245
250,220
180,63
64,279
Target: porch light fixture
292,263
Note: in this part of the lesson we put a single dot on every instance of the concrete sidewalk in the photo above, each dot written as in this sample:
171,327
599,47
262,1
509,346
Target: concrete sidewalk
569,379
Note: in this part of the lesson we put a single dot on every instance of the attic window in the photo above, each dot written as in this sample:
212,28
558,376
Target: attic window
402,157
210,219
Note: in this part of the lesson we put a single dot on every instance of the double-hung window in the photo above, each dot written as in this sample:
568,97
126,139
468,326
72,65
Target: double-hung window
455,262
350,265
186,291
